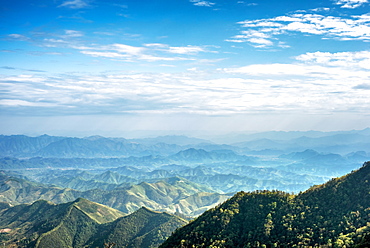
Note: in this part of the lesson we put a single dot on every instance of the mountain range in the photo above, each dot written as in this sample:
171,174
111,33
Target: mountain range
63,190
97,146
334,214
171,195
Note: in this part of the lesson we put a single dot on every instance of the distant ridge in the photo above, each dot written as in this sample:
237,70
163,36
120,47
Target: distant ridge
171,139
68,147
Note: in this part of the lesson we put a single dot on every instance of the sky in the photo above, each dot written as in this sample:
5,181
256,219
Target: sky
124,67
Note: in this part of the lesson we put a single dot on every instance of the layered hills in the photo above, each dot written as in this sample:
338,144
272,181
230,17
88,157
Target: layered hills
334,214
83,223
171,195
169,173
262,161
185,176
97,146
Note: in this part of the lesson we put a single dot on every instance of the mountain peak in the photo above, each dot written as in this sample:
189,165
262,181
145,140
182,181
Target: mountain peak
145,209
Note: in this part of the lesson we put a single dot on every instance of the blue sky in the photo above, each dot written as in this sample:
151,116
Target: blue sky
80,67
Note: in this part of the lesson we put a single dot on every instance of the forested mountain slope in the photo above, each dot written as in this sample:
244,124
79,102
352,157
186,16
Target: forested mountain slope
44,224
334,214
83,223
143,228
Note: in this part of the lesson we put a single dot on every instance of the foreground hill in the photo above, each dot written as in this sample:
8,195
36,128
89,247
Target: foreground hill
44,224
83,223
335,214
143,228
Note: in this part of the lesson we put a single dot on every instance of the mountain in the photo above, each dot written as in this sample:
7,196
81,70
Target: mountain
341,142
221,171
169,195
309,153
281,135
44,224
162,195
16,191
201,156
78,163
171,139
68,147
143,228
260,144
334,214
21,145
83,223
76,147
84,181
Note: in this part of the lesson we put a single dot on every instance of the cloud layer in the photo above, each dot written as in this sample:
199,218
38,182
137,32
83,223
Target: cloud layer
74,4
311,84
264,33
202,3
91,57
351,4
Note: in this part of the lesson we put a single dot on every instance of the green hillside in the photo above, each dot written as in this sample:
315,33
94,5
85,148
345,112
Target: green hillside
335,214
143,228
81,224
44,224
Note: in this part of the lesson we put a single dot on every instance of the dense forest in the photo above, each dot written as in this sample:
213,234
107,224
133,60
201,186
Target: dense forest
81,224
335,214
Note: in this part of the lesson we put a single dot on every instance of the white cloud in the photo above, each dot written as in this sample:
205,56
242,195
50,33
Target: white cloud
355,60
149,52
75,4
310,84
202,3
260,24
68,39
55,40
156,45
146,53
328,27
309,28
152,58
122,48
351,4
319,10
253,34
104,54
19,103
337,80
186,50
260,42
24,78
342,66
18,37
72,34
152,52
116,51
